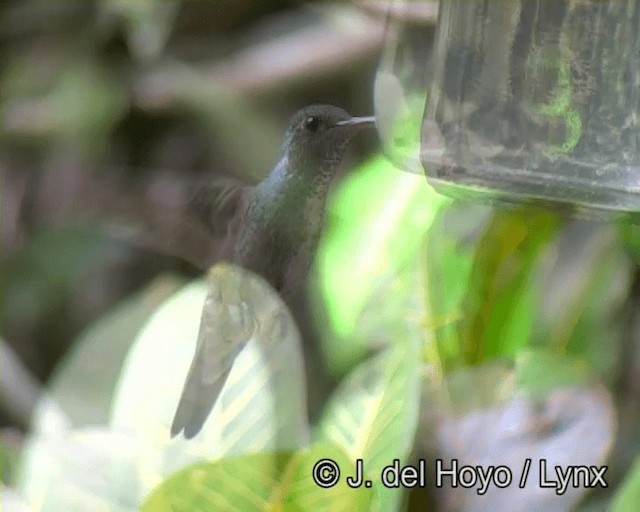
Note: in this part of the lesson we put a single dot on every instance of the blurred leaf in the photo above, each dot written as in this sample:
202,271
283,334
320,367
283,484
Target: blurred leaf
586,280
21,79
84,382
376,221
395,312
631,237
148,23
61,254
260,482
10,500
85,104
46,268
374,414
467,389
596,315
540,372
222,112
63,469
451,246
77,102
627,496
82,470
8,456
499,307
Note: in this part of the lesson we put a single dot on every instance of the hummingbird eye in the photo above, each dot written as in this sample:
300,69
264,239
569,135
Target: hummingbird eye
311,124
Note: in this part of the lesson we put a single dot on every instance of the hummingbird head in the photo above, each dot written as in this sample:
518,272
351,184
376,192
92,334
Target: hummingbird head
318,136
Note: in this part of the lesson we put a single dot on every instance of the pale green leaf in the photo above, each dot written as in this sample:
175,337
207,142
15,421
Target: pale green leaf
374,416
376,223
261,482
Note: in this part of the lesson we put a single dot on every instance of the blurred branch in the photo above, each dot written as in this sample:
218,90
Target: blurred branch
339,38
419,13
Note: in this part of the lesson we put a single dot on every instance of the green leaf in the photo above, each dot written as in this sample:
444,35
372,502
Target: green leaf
8,460
376,222
84,382
451,246
539,372
85,104
260,482
593,329
627,496
631,236
499,306
374,416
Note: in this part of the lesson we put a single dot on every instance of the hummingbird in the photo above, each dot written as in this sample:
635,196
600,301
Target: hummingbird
271,229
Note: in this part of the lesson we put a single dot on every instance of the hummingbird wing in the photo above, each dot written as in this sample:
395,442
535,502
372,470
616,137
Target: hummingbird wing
219,206
167,215
226,325
215,203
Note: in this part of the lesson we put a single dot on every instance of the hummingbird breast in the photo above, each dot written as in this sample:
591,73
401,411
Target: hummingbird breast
279,233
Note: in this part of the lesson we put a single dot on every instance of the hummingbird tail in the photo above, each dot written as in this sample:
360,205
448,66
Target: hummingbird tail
198,399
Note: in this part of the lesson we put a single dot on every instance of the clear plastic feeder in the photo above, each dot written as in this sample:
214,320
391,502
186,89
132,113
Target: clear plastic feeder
518,101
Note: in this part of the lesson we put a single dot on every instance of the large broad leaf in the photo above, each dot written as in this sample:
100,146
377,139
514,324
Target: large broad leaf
373,281
374,414
81,470
70,459
84,383
376,223
262,482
